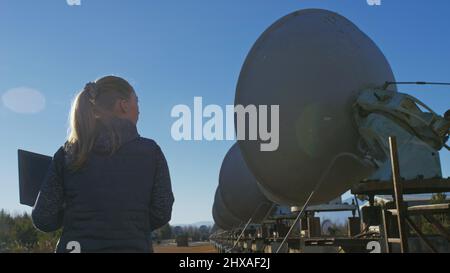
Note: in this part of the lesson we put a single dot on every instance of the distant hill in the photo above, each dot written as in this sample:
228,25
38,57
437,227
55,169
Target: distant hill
196,224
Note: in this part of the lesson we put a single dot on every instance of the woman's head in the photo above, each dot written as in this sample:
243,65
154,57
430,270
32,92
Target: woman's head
103,99
112,96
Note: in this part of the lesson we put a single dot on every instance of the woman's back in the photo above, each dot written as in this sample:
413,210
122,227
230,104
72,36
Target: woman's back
115,200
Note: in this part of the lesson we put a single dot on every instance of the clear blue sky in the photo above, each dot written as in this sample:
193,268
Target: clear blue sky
172,51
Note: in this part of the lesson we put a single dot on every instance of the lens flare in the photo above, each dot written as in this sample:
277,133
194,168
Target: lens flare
24,100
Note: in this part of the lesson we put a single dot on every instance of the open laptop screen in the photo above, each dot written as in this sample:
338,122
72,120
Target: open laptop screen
32,170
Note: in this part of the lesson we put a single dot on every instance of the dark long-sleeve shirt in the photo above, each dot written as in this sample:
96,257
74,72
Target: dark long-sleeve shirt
48,211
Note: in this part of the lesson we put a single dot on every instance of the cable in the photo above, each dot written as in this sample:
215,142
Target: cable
386,84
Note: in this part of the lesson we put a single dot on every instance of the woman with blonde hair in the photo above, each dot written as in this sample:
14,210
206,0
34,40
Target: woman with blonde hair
108,188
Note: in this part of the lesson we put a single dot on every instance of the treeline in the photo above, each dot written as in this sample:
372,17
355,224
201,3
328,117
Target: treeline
193,233
17,234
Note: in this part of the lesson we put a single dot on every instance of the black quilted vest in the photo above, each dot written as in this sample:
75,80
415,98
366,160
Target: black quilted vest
107,201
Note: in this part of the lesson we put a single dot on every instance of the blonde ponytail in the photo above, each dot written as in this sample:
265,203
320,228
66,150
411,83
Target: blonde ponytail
94,102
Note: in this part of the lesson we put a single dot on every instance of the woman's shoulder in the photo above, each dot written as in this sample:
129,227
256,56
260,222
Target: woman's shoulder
147,142
146,145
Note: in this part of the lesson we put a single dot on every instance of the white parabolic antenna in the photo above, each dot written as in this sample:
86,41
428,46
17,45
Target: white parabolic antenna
239,188
221,215
312,63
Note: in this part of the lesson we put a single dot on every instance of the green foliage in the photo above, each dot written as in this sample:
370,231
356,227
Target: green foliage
164,233
195,234
17,234
336,228
443,218
439,198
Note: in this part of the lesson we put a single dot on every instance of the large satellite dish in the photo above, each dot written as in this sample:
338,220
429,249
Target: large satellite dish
312,63
221,215
239,188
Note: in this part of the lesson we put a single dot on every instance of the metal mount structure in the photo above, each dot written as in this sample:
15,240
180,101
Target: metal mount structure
396,221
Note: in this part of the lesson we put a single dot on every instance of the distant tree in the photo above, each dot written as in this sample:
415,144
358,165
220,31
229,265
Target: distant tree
333,228
6,224
17,234
195,234
204,231
178,230
24,232
439,198
166,232
444,219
